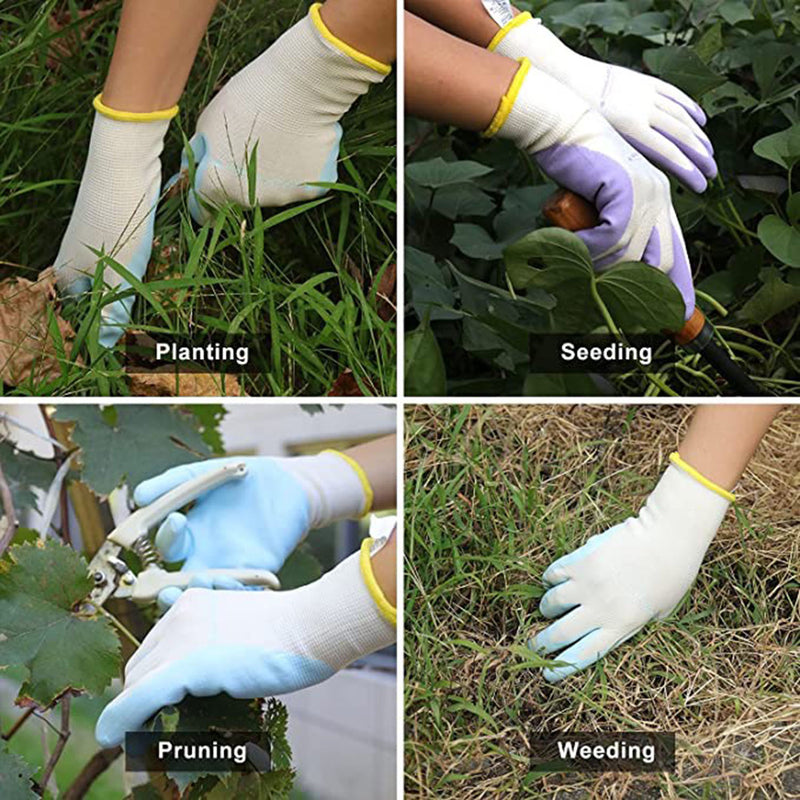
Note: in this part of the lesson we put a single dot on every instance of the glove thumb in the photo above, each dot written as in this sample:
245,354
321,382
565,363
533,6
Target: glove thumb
174,539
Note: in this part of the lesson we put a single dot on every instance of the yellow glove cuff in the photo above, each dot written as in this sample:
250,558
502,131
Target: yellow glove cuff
388,611
504,31
362,476
508,99
132,116
700,478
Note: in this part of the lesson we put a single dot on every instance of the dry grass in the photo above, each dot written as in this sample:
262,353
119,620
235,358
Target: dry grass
493,495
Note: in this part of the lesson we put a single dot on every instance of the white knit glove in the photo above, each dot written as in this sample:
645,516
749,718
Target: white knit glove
581,151
287,103
660,121
116,207
636,572
253,644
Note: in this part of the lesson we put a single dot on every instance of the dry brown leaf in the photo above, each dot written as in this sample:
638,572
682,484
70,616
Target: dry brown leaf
346,386
62,47
190,384
385,293
26,347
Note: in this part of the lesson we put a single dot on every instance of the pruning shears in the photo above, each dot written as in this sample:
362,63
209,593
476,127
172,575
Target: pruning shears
113,577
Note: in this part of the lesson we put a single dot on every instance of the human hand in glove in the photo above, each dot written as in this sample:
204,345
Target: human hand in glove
287,103
660,121
580,150
638,571
257,521
114,213
253,644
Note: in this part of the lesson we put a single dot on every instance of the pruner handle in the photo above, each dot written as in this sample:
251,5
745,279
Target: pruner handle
150,582
147,517
570,211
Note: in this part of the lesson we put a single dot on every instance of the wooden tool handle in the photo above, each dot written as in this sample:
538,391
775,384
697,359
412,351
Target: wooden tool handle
570,211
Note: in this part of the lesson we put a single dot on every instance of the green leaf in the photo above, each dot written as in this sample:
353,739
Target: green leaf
735,11
723,98
473,241
554,247
25,472
683,67
133,443
774,296
782,148
210,417
560,384
710,43
424,366
793,208
15,776
612,17
463,200
437,172
41,588
430,294
640,296
302,567
505,345
782,240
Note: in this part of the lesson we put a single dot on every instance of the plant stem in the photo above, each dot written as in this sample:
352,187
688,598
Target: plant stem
63,735
26,715
63,498
10,512
712,301
125,632
95,767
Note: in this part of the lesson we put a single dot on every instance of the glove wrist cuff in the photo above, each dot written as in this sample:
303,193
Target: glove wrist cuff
520,19
335,484
388,611
508,99
356,55
133,116
700,478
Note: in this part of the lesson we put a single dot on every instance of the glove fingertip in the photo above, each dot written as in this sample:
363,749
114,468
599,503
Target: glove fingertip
168,597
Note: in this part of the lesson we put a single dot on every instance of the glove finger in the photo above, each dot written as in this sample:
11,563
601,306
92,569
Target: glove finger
115,318
174,539
563,632
559,599
693,148
582,654
661,151
560,570
138,702
152,488
201,154
168,597
684,101
652,251
679,113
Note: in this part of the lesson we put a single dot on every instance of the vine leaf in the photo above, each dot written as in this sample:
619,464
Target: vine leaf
15,777
132,442
25,472
41,586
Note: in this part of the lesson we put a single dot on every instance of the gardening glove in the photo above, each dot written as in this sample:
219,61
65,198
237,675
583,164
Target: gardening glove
578,148
660,121
116,208
257,521
637,571
253,644
287,104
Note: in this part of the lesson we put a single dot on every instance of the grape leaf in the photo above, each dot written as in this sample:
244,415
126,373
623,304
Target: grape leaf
24,472
15,777
132,442
40,587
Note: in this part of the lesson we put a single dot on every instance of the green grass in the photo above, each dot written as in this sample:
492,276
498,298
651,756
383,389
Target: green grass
493,495
302,278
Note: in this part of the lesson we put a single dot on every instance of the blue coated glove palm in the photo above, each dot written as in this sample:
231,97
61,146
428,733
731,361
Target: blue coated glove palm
254,522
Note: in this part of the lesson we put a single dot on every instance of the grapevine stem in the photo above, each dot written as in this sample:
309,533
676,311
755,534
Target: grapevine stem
18,724
123,630
63,735
94,768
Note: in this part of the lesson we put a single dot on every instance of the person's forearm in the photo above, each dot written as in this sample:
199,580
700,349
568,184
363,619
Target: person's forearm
156,46
450,80
466,19
721,439
384,567
370,26
378,459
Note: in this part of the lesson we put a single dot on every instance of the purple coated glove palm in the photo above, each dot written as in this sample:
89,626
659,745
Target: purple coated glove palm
576,147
